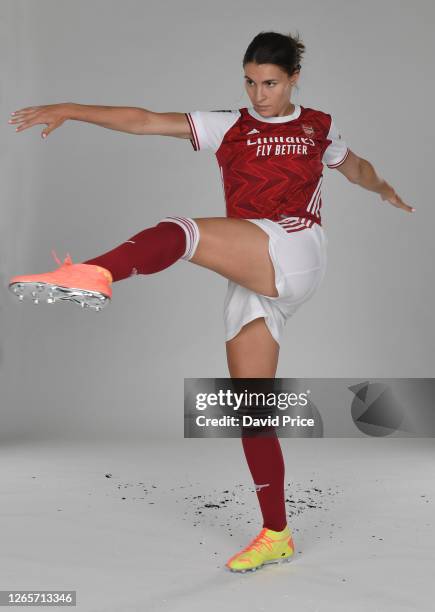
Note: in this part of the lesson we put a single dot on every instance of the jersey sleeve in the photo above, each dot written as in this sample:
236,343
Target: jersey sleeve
208,128
336,150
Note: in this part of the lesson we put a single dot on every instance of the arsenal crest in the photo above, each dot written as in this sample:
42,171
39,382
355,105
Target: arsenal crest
308,129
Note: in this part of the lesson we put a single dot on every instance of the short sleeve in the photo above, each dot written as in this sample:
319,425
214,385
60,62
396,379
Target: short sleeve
336,150
208,128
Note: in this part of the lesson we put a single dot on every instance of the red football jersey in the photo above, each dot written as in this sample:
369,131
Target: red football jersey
271,167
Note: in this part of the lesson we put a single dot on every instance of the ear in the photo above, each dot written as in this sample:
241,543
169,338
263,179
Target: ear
294,79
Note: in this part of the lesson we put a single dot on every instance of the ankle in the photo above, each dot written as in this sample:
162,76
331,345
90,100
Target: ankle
278,530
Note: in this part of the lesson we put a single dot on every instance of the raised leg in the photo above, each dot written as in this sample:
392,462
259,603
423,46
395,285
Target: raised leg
234,248
238,250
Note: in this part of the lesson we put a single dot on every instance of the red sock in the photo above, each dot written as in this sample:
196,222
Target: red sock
151,250
266,464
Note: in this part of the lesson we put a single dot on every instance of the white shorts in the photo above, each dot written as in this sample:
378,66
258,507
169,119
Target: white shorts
299,259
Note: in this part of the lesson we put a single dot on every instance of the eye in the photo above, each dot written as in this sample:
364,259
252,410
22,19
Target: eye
248,82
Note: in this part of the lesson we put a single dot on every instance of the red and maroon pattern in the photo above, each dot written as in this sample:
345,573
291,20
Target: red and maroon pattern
283,186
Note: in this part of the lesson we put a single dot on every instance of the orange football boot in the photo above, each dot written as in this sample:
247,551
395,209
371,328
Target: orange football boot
84,284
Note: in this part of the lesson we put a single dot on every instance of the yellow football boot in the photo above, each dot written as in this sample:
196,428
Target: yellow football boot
267,547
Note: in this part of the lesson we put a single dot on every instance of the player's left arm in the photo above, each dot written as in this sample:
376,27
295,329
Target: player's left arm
361,172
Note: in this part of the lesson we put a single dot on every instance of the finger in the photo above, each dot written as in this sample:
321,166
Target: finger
21,126
402,204
49,129
20,118
26,124
397,201
408,208
24,110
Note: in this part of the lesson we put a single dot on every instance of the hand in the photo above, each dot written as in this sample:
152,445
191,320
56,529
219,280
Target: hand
53,115
388,193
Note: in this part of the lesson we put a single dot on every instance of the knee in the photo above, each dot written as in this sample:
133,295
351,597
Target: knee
191,233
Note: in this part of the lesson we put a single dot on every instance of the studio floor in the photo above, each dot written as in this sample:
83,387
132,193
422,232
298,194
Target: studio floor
149,527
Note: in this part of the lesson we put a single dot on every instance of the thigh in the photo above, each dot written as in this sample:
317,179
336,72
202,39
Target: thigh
238,250
253,353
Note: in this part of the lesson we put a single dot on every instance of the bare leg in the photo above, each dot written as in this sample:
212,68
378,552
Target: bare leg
238,250
253,352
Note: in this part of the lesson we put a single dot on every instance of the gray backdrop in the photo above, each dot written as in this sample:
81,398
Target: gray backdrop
72,373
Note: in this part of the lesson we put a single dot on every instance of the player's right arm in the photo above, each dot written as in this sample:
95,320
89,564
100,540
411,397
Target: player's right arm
132,120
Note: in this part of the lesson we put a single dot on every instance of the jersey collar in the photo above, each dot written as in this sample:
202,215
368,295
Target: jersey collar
295,114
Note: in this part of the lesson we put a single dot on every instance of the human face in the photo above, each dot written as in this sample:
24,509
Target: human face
269,88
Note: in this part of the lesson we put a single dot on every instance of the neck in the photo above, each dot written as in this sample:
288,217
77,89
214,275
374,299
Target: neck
290,110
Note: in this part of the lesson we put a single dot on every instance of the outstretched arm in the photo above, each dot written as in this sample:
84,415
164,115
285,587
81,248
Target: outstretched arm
362,173
132,120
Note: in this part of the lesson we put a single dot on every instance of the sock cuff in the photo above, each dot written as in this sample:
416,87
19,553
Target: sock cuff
191,231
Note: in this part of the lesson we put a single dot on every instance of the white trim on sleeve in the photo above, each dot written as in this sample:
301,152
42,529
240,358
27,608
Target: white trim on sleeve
209,127
337,151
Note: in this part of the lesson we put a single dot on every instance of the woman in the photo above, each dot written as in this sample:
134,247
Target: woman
271,245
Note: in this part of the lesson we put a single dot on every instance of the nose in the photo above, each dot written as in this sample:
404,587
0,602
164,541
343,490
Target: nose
257,95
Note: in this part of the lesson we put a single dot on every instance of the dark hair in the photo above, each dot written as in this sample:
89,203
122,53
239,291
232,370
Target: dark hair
273,48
